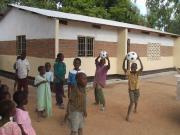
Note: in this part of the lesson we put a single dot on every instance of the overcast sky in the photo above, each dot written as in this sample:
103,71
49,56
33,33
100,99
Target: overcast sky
141,4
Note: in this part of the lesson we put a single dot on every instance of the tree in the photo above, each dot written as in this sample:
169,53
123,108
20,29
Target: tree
118,10
162,14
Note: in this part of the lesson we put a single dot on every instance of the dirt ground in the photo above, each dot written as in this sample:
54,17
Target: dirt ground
158,111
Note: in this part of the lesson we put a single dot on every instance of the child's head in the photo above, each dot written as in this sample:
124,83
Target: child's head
5,87
5,95
133,67
47,66
7,109
23,56
77,63
81,79
102,61
18,57
20,98
60,56
41,70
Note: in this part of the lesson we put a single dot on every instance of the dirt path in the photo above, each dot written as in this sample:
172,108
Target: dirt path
158,113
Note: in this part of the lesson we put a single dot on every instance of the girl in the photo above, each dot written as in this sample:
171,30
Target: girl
22,116
44,103
7,126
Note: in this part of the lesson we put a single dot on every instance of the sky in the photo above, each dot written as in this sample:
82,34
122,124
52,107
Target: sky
141,4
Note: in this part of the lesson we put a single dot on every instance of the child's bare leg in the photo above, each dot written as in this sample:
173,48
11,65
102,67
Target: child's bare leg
80,131
129,110
135,107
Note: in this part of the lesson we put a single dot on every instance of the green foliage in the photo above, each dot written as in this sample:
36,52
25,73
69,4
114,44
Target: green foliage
163,14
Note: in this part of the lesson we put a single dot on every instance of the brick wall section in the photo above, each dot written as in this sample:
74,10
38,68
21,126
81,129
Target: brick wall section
166,51
142,50
70,48
110,47
41,48
7,47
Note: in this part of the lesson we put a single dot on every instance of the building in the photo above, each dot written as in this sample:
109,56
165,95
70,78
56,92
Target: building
44,33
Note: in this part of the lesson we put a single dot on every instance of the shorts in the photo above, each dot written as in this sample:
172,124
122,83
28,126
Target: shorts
76,121
134,95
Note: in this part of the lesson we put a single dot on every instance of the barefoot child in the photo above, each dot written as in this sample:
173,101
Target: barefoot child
44,103
133,84
7,126
77,105
49,74
59,73
22,116
100,81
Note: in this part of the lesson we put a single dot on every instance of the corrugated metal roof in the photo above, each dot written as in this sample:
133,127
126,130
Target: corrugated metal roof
94,20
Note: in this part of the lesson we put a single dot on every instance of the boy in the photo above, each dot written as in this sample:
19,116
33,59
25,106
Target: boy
100,80
77,105
59,77
133,85
72,74
22,70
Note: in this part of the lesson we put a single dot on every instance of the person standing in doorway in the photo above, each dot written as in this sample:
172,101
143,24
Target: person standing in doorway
22,70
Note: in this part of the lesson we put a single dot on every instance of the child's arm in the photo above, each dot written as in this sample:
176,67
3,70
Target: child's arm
108,66
22,130
97,59
141,69
124,67
36,85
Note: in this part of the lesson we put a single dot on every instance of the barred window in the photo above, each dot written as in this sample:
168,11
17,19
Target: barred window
153,51
85,46
20,44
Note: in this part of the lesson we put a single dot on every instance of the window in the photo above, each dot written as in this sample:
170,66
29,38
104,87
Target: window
153,51
85,46
20,44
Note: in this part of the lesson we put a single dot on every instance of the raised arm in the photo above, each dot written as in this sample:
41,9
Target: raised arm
109,65
97,59
141,69
124,67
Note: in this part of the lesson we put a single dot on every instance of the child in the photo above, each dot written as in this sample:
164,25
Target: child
72,74
49,74
22,116
15,79
4,93
77,105
7,126
100,81
133,84
44,102
59,73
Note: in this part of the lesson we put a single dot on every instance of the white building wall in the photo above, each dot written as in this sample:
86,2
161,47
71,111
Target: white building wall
140,38
19,22
75,29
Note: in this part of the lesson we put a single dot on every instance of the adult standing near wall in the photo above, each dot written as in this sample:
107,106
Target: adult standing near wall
22,70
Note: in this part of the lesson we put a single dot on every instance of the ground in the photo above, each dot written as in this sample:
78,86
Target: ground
158,111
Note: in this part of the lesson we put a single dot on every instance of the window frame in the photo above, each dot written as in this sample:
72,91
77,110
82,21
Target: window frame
21,44
86,46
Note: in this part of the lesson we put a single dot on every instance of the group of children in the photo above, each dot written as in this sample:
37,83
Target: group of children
14,119
48,81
